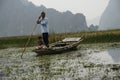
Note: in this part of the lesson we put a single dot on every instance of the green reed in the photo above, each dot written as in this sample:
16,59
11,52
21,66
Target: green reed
88,37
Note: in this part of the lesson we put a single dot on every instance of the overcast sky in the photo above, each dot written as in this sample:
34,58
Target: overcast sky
90,8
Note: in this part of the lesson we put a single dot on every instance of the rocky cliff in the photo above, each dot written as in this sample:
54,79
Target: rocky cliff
110,19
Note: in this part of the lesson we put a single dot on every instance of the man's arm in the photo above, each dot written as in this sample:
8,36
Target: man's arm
38,21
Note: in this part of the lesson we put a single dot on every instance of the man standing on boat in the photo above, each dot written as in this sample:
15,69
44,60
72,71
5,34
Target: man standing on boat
43,20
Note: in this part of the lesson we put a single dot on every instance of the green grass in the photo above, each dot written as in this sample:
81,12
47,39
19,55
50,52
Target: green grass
88,37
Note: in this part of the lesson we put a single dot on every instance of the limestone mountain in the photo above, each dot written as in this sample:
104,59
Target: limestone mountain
18,17
110,19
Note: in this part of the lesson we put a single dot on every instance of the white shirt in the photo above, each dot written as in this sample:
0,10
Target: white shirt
44,25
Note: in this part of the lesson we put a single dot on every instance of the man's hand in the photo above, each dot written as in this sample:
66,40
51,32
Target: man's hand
38,22
39,17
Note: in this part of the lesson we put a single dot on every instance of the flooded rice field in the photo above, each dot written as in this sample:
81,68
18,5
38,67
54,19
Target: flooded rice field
89,62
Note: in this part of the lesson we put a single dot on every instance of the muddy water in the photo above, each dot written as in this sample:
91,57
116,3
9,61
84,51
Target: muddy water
89,62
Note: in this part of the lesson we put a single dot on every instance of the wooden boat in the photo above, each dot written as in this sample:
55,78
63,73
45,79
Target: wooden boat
66,44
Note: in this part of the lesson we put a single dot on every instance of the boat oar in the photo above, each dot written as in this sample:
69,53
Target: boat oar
28,40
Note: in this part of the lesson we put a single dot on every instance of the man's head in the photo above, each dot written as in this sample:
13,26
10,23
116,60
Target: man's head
43,14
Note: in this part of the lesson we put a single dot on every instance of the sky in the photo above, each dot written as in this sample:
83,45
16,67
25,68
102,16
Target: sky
92,9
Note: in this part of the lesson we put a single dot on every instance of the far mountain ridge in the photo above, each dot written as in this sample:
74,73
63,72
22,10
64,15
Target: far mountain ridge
18,17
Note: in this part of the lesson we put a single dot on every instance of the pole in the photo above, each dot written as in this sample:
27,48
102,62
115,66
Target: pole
28,40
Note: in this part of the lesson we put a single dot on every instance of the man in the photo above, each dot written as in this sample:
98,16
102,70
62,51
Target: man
44,27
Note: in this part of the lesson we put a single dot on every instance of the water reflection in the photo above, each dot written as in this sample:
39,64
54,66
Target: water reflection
107,56
115,54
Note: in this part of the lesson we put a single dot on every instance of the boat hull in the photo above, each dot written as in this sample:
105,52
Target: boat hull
65,45
57,50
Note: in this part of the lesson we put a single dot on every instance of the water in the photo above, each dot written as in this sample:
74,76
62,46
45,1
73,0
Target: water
89,62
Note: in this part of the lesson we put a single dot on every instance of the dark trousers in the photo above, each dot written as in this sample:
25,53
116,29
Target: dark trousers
45,39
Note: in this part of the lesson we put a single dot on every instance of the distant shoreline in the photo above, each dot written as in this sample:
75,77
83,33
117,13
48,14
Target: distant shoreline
109,36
